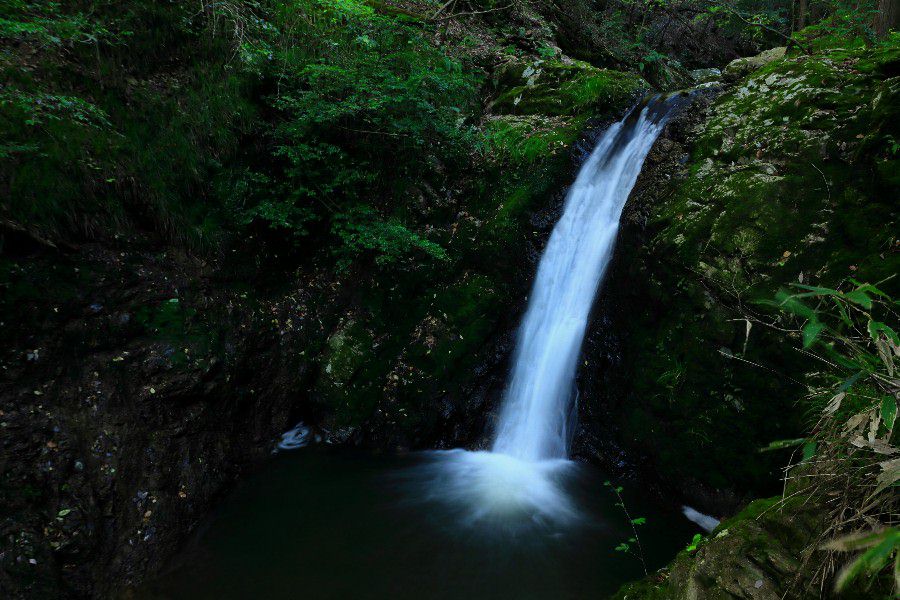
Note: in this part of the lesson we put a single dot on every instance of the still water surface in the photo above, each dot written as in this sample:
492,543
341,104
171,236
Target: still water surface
325,524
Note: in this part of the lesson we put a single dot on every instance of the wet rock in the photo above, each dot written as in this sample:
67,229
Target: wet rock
787,179
744,66
752,556
701,76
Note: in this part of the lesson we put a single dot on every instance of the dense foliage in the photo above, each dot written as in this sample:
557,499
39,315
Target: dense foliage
363,102
200,122
848,464
289,119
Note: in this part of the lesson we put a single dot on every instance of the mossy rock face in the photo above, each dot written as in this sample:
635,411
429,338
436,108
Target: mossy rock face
744,66
558,88
752,556
346,352
700,76
780,186
789,179
530,138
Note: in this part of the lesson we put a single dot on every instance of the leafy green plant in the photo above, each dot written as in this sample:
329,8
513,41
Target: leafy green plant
876,551
363,104
202,119
113,115
38,108
848,463
632,545
695,542
47,22
844,25
361,230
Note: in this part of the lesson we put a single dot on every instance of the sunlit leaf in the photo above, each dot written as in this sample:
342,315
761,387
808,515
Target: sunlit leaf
782,444
811,332
809,450
871,561
877,327
859,297
888,411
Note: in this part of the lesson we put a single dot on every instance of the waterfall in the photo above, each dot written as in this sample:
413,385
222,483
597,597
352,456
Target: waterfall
536,420
527,472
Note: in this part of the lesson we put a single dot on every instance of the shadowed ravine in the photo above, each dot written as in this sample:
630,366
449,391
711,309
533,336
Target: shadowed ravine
521,520
422,299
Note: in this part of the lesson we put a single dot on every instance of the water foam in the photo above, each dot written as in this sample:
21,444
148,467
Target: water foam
487,488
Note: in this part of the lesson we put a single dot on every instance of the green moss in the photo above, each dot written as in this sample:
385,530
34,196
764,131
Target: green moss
348,354
95,140
528,139
550,87
883,59
504,227
464,314
742,66
788,180
752,512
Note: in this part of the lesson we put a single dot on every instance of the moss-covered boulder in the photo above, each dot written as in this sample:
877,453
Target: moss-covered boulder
742,67
790,179
345,357
752,556
562,88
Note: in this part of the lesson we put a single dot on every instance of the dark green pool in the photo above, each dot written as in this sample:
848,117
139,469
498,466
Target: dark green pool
320,524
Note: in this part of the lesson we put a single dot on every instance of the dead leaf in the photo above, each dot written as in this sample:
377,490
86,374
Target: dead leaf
834,403
856,421
890,474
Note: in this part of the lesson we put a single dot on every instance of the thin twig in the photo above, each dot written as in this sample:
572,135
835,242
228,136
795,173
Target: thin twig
474,12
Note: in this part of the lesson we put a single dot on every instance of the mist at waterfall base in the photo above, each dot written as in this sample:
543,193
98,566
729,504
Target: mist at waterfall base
519,521
324,524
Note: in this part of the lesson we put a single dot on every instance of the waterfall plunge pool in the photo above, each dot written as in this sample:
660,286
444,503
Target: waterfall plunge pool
518,522
319,523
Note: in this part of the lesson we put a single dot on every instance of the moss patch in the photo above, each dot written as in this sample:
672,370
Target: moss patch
788,181
551,87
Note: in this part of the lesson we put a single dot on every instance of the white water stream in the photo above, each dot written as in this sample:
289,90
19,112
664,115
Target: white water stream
538,410
527,466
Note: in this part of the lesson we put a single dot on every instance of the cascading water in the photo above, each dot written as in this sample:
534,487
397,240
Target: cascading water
525,470
535,422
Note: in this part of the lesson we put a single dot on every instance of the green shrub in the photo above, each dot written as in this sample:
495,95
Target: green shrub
364,104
